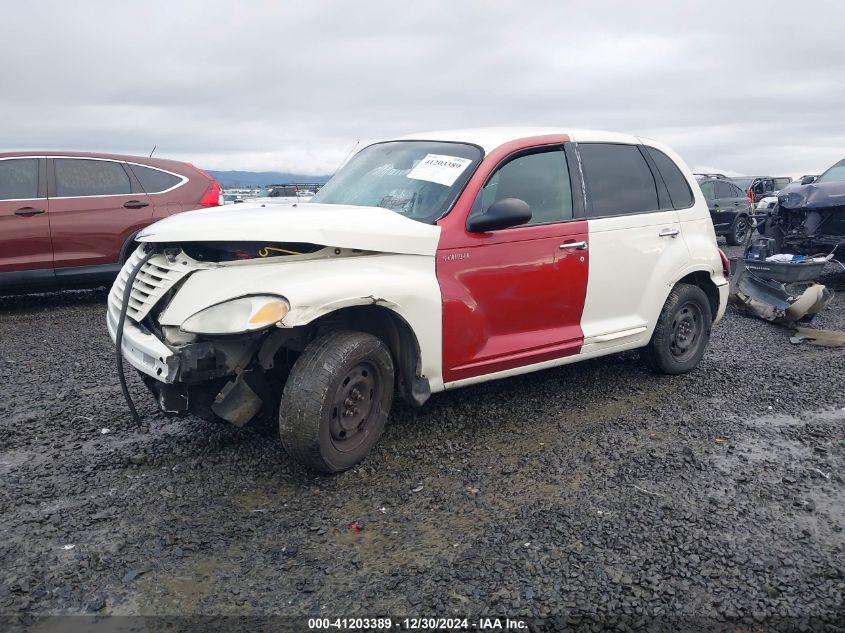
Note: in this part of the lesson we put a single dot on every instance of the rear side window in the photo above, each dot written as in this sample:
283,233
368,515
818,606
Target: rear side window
619,180
736,192
154,180
541,180
724,190
18,178
81,177
678,187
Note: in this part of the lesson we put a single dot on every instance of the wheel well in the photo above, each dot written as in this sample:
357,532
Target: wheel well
396,334
702,279
126,249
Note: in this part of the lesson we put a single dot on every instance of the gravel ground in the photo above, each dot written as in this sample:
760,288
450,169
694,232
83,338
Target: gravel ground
599,491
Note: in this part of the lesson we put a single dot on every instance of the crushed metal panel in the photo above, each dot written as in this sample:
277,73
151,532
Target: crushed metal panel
237,402
774,301
822,338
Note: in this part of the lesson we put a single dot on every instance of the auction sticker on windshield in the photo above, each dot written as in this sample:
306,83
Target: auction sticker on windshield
444,170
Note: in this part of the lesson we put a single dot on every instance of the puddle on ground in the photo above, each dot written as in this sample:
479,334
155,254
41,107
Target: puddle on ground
799,459
179,593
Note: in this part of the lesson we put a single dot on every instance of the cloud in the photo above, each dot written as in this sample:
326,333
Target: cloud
290,87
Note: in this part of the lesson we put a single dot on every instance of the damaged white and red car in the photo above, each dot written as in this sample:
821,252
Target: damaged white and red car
426,263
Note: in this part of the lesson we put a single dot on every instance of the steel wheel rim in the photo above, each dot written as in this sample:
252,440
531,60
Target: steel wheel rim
353,407
687,329
741,228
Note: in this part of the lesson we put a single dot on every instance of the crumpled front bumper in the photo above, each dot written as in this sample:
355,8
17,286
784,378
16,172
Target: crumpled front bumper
191,363
144,351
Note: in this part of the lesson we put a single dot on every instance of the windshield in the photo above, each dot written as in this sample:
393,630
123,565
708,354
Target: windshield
743,183
834,174
417,179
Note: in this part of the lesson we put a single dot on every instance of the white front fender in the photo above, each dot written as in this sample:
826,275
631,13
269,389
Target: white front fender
404,284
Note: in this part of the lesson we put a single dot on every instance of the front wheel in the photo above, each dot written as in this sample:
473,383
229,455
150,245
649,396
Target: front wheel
682,331
336,400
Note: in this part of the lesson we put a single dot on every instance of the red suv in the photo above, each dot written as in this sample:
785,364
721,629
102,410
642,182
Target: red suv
71,218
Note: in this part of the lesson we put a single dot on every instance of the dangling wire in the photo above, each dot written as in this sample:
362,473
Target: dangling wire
118,337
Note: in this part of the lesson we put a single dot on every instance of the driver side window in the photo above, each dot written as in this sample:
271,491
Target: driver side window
540,179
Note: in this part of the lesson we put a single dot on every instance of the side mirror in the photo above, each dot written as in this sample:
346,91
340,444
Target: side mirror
500,215
808,180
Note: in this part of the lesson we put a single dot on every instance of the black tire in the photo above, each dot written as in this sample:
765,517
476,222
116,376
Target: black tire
739,230
682,331
336,400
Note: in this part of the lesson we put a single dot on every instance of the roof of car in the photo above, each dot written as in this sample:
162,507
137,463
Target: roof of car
711,179
144,160
490,138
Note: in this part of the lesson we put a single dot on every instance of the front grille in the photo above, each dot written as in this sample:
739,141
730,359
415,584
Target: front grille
156,277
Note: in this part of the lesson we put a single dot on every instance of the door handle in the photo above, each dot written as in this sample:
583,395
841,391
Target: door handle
669,233
28,211
579,246
135,204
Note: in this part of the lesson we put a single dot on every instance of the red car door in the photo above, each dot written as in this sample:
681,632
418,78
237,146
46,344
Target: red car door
94,206
514,297
24,225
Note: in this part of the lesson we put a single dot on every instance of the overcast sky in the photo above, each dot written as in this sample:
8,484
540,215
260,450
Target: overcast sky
744,87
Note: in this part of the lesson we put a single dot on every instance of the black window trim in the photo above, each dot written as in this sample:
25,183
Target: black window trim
41,180
575,185
651,169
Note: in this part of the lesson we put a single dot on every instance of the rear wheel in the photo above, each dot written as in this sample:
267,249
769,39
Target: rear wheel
336,400
682,331
739,230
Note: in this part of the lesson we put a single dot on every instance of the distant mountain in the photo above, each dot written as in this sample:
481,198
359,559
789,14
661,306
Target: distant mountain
260,178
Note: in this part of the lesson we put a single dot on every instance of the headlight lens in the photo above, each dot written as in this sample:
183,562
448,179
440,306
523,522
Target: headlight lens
238,315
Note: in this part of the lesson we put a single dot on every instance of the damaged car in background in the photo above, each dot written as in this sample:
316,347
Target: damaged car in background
809,219
426,263
776,277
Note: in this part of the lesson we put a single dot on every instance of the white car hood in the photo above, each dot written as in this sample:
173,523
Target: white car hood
341,226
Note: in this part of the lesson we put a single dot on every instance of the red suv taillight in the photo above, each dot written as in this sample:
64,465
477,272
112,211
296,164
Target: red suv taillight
726,264
750,197
211,198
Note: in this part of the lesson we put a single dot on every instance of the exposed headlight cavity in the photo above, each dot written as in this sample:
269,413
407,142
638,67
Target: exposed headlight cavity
245,314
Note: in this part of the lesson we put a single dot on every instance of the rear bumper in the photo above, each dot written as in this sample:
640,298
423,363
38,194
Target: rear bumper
724,291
